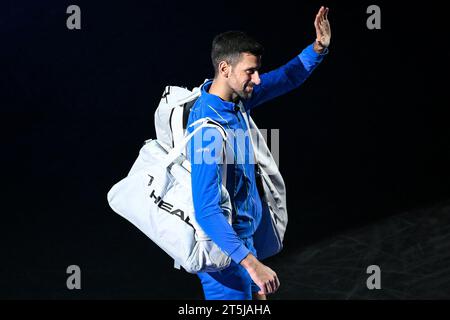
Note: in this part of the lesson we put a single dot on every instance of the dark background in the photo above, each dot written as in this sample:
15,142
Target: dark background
366,137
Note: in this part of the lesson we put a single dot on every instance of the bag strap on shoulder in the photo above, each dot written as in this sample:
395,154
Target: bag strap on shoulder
245,116
178,150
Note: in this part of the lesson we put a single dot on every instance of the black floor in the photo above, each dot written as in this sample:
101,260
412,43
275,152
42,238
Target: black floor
412,250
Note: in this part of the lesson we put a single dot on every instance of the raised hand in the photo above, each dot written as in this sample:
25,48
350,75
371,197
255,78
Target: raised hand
323,30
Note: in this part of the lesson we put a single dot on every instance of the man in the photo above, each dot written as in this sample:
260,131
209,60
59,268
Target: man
237,59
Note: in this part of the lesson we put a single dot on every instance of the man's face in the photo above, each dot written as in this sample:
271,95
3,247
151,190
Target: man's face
245,75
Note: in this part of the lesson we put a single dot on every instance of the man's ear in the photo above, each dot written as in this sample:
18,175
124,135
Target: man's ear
224,69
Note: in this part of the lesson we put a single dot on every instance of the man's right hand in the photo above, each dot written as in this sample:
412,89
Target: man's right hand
264,277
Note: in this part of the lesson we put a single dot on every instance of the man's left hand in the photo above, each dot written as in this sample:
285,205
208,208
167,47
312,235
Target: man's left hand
323,30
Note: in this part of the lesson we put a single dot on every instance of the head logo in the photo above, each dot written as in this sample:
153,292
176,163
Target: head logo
151,180
166,206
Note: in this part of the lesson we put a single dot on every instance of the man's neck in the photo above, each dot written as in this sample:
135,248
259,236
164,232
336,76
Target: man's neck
221,90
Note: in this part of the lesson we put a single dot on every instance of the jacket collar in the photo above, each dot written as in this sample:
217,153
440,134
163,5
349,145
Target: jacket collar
227,105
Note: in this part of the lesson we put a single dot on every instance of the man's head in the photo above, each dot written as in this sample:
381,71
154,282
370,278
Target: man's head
236,58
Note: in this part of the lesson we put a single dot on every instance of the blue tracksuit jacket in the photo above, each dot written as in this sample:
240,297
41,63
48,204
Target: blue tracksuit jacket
241,183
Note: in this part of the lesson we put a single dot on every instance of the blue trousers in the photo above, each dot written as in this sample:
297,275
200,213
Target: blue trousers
232,283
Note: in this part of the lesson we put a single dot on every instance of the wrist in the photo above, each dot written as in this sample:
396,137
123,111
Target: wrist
249,262
318,47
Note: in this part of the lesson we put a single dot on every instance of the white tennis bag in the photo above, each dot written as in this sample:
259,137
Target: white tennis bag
156,197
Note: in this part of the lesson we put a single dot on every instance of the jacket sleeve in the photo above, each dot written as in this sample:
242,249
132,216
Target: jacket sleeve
286,78
206,176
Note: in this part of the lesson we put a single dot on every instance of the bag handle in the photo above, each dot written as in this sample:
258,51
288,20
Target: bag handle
178,150
195,94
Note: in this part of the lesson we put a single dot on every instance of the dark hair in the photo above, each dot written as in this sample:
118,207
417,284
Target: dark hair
229,45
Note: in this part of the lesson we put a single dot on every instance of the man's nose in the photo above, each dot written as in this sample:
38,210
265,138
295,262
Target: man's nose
255,78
